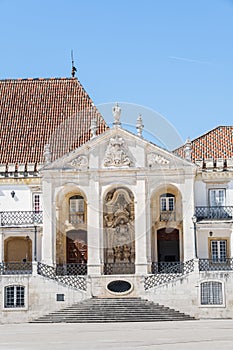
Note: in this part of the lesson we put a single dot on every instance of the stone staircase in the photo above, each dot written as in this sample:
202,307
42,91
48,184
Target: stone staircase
113,310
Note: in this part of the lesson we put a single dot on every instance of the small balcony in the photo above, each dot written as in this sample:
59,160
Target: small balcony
214,213
16,268
20,218
168,215
225,264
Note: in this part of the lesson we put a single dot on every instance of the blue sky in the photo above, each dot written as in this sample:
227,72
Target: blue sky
172,56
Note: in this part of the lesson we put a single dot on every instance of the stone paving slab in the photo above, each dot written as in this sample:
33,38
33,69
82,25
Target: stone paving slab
185,335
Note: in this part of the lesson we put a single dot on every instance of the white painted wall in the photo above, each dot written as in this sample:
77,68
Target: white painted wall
21,201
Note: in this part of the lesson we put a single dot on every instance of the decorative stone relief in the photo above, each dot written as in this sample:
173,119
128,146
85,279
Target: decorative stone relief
154,159
80,163
116,153
119,226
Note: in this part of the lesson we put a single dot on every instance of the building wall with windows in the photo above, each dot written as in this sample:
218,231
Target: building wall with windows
116,208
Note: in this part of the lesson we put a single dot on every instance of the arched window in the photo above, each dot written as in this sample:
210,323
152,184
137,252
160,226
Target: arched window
167,207
14,296
211,293
77,209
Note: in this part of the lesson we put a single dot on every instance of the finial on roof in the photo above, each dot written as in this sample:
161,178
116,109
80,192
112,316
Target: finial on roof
93,127
139,125
47,154
116,111
73,70
188,150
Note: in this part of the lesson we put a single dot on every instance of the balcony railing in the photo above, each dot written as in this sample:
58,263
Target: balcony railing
216,265
214,213
15,268
17,218
119,268
168,215
167,267
71,269
76,218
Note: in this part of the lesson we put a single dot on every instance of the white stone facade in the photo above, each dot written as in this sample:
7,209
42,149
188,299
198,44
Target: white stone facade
123,209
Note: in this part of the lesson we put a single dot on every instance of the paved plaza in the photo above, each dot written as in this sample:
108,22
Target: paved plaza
187,335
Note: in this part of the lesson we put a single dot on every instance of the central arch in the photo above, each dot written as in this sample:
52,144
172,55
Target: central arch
119,232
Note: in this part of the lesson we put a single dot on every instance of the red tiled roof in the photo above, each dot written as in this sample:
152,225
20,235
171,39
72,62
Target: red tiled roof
34,112
217,143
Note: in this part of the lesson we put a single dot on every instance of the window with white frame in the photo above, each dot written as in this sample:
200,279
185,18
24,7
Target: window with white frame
167,202
14,297
218,250
167,207
211,293
217,197
77,209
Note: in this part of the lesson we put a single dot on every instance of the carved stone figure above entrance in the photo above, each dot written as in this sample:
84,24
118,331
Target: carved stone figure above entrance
119,227
117,154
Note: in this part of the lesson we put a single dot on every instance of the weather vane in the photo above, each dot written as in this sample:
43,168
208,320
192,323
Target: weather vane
73,67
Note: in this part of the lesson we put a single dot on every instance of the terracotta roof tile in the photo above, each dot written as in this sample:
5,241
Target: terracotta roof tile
34,112
217,143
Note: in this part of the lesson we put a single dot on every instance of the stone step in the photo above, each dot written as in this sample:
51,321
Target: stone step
113,310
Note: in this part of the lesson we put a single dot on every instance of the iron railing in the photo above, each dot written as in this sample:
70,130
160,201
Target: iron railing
17,218
119,268
167,267
76,218
168,215
216,265
71,269
16,268
169,272
214,213
74,281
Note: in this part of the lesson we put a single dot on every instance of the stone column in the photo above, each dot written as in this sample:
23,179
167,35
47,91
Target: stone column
141,265
93,228
49,222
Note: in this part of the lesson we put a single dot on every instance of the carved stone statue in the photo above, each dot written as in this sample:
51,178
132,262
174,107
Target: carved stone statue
117,253
47,154
126,253
116,111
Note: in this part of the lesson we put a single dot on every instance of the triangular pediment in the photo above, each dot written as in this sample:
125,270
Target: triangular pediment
118,149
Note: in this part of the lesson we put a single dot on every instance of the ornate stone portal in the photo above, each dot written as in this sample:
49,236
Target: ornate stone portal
119,227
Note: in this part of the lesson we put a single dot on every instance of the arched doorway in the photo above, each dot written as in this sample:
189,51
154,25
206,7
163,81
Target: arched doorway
168,245
119,233
76,247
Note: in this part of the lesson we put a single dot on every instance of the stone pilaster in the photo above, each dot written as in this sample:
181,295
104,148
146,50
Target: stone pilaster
141,264
93,228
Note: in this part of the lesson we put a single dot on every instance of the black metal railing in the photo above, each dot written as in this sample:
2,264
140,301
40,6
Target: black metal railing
119,268
16,268
71,269
168,215
216,265
167,267
17,218
166,272
214,213
78,282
